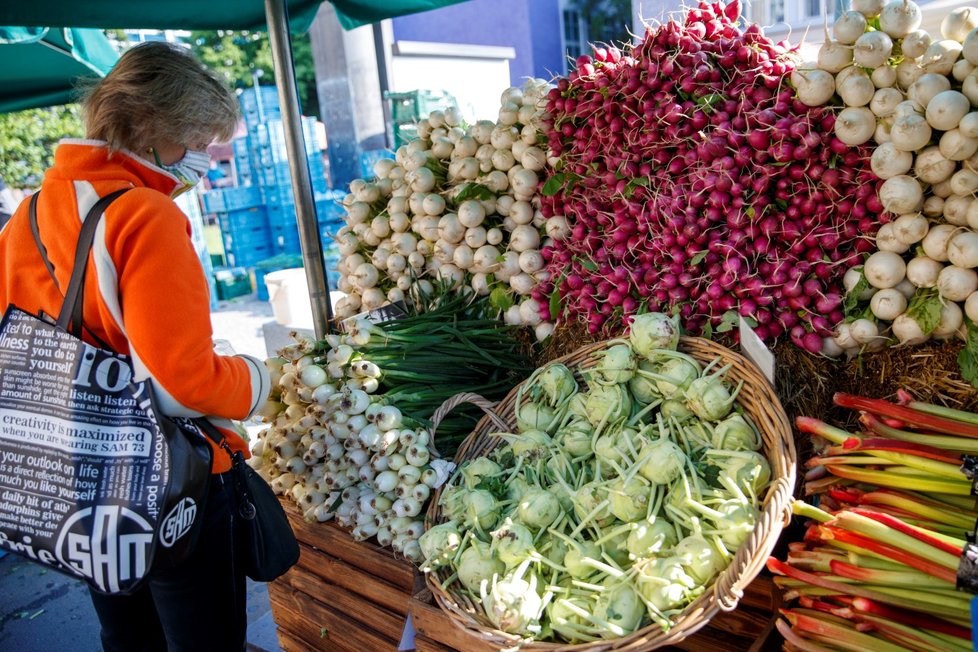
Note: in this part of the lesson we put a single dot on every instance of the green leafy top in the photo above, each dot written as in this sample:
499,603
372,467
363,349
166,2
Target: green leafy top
925,308
851,305
968,358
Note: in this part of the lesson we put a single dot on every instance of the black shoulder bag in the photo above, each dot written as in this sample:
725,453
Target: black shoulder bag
270,545
94,480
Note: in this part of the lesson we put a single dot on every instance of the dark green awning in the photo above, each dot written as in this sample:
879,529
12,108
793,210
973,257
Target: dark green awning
194,14
41,66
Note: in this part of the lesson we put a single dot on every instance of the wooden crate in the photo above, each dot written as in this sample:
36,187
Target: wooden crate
343,594
749,627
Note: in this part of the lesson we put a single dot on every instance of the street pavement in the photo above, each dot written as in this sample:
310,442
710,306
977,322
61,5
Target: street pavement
45,611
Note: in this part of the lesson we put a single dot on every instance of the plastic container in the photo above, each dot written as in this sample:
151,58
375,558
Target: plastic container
288,293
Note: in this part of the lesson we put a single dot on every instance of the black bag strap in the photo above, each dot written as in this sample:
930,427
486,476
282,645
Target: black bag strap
70,318
246,506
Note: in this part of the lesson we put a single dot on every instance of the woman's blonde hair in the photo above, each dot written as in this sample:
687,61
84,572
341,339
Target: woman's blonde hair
159,92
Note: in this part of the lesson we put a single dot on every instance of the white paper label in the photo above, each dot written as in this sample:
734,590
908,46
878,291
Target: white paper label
756,351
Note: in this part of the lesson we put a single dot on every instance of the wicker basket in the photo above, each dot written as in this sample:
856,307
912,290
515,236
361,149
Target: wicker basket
758,400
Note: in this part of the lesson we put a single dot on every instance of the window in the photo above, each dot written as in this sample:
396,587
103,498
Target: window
813,8
575,37
777,11
572,28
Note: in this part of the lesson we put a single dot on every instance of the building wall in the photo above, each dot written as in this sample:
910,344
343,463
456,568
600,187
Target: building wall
531,27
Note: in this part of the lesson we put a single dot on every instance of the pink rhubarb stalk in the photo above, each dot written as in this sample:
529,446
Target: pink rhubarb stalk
906,414
911,617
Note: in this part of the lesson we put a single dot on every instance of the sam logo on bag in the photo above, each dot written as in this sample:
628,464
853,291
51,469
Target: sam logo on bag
178,522
108,544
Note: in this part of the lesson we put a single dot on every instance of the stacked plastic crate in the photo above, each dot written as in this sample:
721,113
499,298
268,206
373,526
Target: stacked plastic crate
258,218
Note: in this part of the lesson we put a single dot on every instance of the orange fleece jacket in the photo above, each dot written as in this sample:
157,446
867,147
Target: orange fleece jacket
145,291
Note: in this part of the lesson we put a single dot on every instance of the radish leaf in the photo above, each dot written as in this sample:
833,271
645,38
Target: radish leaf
968,358
925,308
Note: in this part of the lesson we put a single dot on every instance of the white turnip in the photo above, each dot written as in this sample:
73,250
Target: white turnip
872,49
857,89
926,87
969,125
956,146
851,279
888,304
956,208
815,87
909,133
907,72
887,161
885,101
901,194
908,331
900,17
945,110
884,269
923,271
970,47
964,182
833,57
849,27
971,307
887,240
863,331
915,44
856,125
959,22
962,68
932,167
950,321
935,242
867,8
941,56
884,76
962,249
910,228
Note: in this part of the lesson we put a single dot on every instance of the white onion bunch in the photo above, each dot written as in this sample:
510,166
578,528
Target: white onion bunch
338,451
459,204
921,110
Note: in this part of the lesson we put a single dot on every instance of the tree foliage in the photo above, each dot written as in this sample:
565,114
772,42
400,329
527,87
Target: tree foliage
28,138
239,54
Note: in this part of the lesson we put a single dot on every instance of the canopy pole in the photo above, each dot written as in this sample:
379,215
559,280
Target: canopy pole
305,202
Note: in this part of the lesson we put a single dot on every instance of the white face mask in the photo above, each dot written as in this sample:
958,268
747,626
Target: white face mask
189,170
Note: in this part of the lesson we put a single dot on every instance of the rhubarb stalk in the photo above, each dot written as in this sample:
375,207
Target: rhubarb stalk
907,414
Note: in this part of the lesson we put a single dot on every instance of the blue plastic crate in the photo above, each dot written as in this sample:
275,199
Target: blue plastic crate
282,216
239,244
213,201
265,97
368,158
241,198
330,210
244,219
241,147
248,256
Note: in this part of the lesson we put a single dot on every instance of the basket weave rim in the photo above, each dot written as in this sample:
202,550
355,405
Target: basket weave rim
760,402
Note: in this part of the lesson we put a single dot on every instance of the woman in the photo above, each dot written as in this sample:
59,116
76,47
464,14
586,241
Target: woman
148,125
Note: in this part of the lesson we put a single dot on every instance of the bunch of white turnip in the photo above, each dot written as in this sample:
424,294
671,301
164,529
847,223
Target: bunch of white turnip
916,97
338,451
460,203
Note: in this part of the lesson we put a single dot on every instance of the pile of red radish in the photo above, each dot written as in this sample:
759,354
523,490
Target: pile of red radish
691,179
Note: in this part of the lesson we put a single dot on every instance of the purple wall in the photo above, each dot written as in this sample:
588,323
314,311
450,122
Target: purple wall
531,27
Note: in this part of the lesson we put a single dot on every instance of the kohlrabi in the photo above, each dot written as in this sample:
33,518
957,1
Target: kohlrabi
653,330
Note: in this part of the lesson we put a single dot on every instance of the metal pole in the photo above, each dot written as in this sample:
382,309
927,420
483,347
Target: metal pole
305,201
380,46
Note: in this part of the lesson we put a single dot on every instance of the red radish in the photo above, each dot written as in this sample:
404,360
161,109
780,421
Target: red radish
694,180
